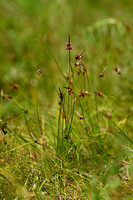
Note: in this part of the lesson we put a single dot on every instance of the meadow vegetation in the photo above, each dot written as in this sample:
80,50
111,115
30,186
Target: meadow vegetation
66,112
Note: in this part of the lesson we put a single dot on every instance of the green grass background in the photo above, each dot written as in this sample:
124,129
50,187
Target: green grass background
35,32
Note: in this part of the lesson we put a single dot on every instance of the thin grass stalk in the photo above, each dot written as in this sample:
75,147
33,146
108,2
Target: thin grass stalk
52,80
58,133
82,111
56,62
51,126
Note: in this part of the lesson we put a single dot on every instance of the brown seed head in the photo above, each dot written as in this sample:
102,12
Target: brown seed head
40,71
61,97
61,94
99,93
14,86
101,75
78,72
128,27
83,93
87,93
80,116
67,77
119,73
85,68
70,92
116,69
79,57
69,44
9,96
67,87
77,64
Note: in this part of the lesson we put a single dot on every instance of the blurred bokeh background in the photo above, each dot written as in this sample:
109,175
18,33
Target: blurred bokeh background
30,28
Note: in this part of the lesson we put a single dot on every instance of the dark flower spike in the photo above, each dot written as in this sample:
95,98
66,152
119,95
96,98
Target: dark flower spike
61,97
61,94
69,44
102,74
